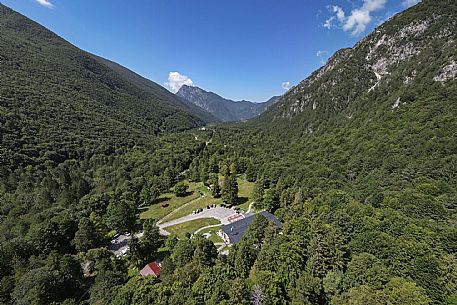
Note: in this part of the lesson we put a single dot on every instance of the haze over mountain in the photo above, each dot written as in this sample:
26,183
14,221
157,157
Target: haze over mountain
224,109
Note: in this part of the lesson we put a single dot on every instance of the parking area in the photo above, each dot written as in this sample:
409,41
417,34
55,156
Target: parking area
222,214
119,244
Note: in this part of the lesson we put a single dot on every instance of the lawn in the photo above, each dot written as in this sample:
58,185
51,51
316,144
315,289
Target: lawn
182,206
244,193
158,212
199,203
213,231
191,226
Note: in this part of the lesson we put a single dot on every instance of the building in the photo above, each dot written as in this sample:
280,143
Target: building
233,232
151,269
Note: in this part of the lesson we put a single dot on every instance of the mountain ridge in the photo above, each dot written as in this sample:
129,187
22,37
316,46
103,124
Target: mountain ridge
47,79
384,61
224,109
156,90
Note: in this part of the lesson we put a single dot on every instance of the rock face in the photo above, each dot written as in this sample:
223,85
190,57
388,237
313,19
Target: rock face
223,109
414,48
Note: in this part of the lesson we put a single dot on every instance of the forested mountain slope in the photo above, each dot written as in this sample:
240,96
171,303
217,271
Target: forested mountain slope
157,91
56,100
224,109
360,167
410,58
388,104
360,161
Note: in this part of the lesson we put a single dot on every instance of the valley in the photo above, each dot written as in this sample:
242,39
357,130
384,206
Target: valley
342,191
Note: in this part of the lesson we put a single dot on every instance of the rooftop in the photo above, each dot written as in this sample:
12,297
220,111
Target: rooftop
151,269
235,231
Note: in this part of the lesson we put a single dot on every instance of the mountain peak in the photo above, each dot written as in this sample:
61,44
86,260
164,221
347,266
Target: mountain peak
388,61
224,109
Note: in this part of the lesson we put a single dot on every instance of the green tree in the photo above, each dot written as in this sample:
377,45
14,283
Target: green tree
239,293
204,176
87,236
258,193
401,292
271,200
365,269
180,189
121,215
182,252
213,165
152,240
214,185
251,173
230,190
168,179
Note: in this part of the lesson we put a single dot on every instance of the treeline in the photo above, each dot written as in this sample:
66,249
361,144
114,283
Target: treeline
53,211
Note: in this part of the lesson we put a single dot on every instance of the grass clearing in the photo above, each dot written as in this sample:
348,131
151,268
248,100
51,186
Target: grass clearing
213,231
199,203
191,226
245,188
158,212
182,206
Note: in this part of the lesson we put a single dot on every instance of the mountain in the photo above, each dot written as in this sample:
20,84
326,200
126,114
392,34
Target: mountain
358,162
56,97
157,91
224,109
392,71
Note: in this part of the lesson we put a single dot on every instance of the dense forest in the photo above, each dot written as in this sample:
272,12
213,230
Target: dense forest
362,172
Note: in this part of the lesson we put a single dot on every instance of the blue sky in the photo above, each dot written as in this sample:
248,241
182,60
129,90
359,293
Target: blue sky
240,49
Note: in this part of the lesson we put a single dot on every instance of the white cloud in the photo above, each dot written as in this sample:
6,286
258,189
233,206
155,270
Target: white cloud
339,13
45,3
329,22
359,18
176,80
286,85
409,3
322,55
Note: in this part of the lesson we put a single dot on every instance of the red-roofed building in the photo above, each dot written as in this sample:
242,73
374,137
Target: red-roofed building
151,269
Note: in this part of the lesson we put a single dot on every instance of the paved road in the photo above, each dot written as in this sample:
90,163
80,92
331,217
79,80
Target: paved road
218,213
163,232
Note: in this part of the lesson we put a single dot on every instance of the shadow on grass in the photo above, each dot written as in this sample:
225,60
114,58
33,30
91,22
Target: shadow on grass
145,206
184,195
242,200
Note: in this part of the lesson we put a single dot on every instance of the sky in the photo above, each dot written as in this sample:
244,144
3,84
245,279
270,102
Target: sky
240,49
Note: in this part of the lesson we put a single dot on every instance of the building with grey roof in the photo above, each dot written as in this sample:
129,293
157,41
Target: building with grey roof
233,232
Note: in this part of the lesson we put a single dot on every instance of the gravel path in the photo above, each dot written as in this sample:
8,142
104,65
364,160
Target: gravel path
218,213
207,227
173,212
250,208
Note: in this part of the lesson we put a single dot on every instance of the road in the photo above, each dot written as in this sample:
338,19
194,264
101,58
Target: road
219,213
207,227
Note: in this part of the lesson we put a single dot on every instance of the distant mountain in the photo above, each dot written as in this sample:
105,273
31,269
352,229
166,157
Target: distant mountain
223,109
54,96
159,92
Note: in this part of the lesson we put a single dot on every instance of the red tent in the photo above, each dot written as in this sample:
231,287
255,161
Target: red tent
151,269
